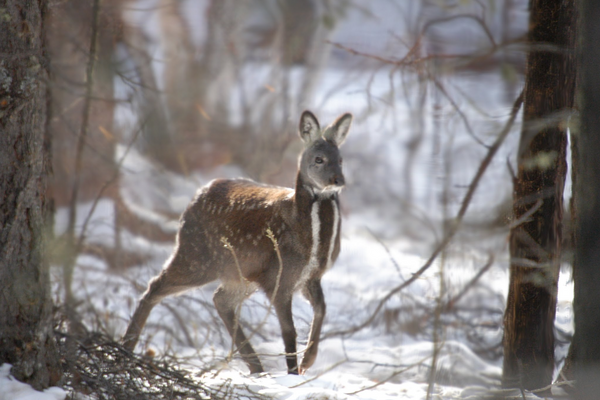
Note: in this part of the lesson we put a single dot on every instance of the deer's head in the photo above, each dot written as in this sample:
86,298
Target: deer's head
321,162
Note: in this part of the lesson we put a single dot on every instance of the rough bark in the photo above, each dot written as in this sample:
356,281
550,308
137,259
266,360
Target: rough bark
26,339
541,161
586,270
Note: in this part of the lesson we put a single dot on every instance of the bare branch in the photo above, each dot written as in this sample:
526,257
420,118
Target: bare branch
103,188
87,102
453,228
381,382
450,304
441,88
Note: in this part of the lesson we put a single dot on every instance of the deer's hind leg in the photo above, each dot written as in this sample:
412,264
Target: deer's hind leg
177,276
227,298
281,298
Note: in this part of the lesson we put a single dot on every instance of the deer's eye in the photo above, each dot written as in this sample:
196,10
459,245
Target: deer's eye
318,160
341,160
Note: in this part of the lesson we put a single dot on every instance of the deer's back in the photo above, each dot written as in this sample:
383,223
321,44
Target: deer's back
237,213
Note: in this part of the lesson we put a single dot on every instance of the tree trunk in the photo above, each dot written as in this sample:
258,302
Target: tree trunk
586,271
538,190
26,339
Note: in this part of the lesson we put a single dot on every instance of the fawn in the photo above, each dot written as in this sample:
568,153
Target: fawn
251,235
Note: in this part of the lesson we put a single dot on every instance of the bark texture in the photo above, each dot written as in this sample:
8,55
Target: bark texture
586,271
538,191
26,339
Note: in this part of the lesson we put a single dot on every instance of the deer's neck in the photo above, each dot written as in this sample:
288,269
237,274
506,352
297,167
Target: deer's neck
306,195
321,211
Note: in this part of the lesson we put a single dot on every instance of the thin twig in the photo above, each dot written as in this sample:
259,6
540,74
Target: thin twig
462,115
525,217
381,382
269,234
387,250
229,247
280,271
104,187
479,20
332,367
87,103
181,322
238,308
450,304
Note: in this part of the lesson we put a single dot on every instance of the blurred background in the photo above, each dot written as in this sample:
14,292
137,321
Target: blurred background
217,87
183,91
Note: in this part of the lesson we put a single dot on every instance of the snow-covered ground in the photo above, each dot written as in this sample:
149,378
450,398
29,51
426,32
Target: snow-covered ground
12,389
388,359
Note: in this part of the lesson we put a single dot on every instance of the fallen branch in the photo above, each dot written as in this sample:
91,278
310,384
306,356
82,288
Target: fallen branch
104,368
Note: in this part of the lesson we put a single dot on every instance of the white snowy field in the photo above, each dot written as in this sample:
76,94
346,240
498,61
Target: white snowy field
390,358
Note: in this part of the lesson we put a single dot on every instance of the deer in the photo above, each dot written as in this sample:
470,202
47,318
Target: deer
251,236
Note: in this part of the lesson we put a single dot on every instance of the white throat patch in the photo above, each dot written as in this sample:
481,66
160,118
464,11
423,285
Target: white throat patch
315,223
334,233
313,262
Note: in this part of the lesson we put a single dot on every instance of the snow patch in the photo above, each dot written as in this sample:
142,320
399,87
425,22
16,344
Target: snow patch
12,389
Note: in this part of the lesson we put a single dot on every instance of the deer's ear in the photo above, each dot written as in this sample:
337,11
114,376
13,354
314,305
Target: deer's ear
309,128
338,130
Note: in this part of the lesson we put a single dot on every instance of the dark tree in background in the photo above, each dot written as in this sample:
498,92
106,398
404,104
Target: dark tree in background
26,339
586,271
538,196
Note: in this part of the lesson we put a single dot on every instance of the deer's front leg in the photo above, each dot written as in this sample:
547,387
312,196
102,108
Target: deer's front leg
314,293
283,308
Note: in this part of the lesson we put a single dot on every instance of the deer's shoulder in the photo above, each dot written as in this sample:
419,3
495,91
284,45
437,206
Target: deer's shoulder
243,193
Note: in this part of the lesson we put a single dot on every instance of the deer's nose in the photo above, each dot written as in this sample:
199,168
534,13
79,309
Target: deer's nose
338,180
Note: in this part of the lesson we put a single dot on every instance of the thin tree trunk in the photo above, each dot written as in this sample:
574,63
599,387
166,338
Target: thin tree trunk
541,161
158,142
26,339
69,31
586,271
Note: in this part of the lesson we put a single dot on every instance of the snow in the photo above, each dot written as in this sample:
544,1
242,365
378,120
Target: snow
12,389
390,358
